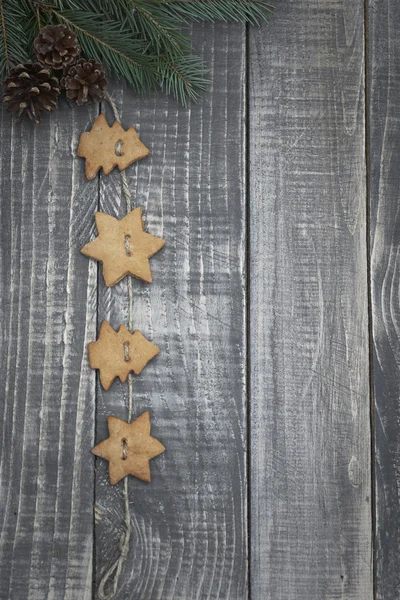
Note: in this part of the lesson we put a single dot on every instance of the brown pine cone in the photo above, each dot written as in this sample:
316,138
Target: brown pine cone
29,90
84,82
56,46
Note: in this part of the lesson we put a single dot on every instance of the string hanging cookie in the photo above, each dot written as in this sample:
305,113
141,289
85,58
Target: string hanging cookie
123,247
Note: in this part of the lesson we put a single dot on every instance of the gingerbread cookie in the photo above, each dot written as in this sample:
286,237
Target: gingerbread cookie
117,353
123,247
129,448
109,147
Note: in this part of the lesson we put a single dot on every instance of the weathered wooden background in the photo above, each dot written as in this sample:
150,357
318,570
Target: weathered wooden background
276,306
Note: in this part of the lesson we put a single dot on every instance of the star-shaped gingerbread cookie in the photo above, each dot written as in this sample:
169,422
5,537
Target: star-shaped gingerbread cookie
116,353
123,247
129,448
109,147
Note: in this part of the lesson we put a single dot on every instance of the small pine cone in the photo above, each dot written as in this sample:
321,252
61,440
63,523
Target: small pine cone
84,82
29,90
56,46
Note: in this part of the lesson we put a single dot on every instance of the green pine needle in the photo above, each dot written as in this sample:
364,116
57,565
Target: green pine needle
141,41
15,41
104,41
153,21
183,77
240,11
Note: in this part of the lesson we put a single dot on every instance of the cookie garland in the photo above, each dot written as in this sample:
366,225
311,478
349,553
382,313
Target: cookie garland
123,248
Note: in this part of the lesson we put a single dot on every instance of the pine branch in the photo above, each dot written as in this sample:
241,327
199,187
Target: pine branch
86,33
4,36
105,41
154,21
14,42
184,77
241,11
141,41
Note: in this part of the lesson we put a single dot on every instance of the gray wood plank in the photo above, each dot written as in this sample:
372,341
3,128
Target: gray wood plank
310,404
47,391
384,181
189,525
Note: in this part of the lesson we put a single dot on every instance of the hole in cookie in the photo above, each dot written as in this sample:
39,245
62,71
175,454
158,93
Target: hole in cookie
127,358
124,449
127,244
118,148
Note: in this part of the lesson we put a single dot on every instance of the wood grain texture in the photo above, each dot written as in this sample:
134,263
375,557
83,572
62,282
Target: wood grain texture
384,180
310,421
48,313
189,525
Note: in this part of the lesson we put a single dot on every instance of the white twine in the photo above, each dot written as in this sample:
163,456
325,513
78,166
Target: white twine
112,575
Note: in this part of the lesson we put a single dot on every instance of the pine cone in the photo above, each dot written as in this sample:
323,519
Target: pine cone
56,46
30,89
85,81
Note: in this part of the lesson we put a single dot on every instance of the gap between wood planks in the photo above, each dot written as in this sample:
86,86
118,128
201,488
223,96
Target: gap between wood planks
369,295
248,301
